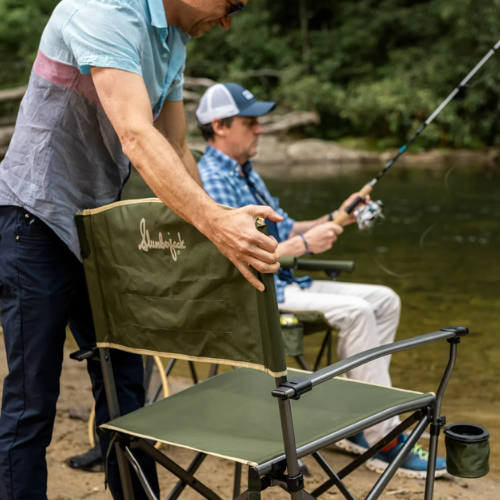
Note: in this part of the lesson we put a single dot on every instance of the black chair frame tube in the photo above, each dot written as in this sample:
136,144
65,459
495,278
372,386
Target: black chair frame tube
192,468
306,382
114,412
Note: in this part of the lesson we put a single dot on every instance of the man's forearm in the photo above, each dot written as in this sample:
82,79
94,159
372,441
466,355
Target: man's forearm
167,175
293,247
190,163
305,225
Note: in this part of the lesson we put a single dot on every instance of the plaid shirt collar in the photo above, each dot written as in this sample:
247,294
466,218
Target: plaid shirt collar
228,164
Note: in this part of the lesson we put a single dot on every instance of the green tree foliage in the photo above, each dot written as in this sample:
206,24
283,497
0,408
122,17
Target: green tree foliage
371,68
377,67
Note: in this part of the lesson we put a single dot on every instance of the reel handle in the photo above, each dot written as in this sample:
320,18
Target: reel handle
342,216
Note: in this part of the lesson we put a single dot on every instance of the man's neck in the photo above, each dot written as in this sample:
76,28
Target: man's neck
171,11
241,160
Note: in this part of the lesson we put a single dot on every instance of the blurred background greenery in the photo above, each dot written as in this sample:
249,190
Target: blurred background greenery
373,69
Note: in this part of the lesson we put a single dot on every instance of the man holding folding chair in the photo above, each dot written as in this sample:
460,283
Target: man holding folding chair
366,316
105,91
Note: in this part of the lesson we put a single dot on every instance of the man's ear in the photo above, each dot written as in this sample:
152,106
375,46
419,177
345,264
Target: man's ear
219,129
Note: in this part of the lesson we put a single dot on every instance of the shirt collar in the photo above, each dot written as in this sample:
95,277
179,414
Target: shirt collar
157,13
227,163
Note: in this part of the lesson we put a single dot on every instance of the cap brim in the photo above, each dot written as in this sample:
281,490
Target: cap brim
258,108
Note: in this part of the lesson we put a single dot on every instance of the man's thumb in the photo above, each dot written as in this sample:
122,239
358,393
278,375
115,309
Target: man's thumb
268,213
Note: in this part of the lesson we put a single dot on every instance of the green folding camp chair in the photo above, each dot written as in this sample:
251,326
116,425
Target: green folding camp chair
157,286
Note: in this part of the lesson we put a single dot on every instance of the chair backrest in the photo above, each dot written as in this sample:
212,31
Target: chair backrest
159,286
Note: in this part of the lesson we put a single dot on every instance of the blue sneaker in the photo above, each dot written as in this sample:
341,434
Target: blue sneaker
356,444
414,466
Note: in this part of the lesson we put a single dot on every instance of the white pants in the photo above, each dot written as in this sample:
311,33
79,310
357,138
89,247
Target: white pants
365,316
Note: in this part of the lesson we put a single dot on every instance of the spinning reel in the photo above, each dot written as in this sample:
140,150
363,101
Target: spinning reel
367,215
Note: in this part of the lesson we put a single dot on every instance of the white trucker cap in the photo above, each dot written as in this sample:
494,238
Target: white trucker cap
223,100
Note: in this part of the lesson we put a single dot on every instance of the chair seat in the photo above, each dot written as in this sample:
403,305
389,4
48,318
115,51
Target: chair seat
234,416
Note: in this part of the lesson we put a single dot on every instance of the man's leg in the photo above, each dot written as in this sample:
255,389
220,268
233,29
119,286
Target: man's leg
36,286
384,301
128,374
355,319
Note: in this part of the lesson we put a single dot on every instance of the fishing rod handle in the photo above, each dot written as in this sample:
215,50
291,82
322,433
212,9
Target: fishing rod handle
342,215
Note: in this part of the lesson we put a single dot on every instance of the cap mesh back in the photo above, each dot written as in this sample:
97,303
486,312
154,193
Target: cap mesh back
217,102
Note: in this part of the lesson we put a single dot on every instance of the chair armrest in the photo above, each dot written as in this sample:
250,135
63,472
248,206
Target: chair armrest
316,264
294,388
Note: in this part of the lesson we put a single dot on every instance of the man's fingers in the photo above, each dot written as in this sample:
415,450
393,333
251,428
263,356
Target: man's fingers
263,255
267,243
266,213
245,271
262,267
337,229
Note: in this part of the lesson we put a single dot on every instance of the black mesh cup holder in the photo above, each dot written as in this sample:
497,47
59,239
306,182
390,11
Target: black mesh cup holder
467,450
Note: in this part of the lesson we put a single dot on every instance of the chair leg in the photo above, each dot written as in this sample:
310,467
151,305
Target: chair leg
148,371
431,467
321,351
237,480
157,391
214,368
194,376
254,486
329,351
335,479
388,474
140,474
181,485
302,362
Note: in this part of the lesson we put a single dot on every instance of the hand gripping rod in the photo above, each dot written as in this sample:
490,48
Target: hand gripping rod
367,188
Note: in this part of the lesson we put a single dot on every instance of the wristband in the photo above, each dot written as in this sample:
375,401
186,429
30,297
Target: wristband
305,243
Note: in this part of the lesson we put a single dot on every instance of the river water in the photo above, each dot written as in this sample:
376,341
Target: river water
438,248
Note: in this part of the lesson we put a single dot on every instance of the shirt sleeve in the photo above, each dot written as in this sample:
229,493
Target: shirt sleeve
285,226
106,35
219,190
175,93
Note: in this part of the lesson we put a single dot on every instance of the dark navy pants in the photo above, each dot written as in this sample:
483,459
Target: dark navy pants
42,289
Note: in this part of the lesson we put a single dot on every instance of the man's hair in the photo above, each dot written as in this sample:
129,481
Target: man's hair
207,130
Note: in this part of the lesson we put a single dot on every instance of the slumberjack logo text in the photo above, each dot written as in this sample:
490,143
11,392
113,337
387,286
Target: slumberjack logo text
147,243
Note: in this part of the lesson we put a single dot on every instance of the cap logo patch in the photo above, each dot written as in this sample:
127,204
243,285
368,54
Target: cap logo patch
247,95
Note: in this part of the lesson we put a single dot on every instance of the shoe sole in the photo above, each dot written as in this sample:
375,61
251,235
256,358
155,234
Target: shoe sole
350,447
379,467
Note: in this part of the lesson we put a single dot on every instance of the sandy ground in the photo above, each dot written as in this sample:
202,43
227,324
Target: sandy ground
70,438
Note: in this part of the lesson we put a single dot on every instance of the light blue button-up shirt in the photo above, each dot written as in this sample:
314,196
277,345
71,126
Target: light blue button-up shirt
65,155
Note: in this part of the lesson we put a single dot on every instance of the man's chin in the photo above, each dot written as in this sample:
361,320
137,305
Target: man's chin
199,30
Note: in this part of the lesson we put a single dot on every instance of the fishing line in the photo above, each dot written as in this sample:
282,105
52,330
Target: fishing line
447,207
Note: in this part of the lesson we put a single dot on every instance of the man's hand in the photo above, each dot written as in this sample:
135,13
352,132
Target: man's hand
125,100
321,237
235,234
347,202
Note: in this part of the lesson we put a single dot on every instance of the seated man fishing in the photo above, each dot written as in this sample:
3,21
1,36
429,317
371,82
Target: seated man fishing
365,316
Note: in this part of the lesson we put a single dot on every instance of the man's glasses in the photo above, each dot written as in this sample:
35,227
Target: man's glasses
235,8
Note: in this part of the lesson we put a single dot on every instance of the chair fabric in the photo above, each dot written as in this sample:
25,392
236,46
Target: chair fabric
233,415
158,286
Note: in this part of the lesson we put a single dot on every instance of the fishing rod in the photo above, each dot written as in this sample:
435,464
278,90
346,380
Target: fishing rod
374,208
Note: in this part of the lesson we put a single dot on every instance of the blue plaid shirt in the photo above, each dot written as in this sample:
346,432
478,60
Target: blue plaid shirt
226,182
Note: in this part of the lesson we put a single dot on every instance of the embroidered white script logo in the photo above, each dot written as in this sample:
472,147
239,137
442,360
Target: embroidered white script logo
147,243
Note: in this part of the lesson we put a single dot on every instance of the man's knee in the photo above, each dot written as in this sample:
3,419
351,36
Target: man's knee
392,299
